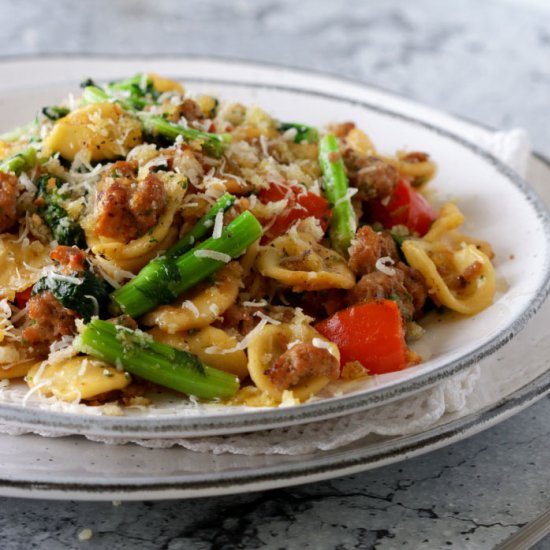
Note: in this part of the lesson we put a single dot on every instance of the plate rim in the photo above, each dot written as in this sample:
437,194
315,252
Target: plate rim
199,426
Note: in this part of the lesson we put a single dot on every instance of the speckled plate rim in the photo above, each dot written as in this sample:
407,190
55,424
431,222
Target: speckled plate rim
179,426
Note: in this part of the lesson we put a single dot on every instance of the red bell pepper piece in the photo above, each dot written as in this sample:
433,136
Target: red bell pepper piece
301,204
405,207
371,333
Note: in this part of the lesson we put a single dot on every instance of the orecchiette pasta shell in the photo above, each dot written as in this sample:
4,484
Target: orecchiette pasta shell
449,219
196,342
424,170
165,84
16,370
359,142
304,265
479,293
76,378
201,306
270,344
103,130
445,230
134,255
20,265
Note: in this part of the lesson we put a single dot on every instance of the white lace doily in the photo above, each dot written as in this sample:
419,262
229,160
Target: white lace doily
409,415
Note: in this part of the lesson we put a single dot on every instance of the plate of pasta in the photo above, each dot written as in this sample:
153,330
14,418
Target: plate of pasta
210,251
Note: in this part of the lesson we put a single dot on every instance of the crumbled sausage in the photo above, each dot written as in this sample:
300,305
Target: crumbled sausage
415,285
373,177
8,201
406,286
341,130
300,362
48,320
415,157
322,303
189,109
243,318
124,321
368,247
128,209
70,258
124,169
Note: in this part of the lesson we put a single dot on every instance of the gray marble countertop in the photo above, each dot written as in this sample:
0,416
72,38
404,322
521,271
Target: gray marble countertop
486,60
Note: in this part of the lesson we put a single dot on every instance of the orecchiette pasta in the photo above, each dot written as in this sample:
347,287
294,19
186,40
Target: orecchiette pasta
76,378
200,307
299,262
444,250
271,343
20,266
198,341
102,131
134,255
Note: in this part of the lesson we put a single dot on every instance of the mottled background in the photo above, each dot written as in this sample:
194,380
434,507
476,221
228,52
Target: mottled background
487,60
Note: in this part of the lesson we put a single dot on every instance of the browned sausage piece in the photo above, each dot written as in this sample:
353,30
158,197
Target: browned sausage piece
300,362
373,177
189,109
406,286
70,258
49,320
243,318
368,247
8,200
128,209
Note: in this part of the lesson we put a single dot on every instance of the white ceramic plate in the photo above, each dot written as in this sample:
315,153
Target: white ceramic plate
498,205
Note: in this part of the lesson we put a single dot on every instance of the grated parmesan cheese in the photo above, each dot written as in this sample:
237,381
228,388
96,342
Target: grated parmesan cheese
382,265
290,345
259,303
218,225
263,316
213,255
244,343
188,304
34,390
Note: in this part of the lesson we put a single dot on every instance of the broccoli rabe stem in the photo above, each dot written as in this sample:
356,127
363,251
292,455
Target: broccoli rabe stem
201,228
138,354
21,162
163,280
343,223
303,132
156,125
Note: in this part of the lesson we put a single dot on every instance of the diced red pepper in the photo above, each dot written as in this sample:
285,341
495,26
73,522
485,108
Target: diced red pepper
21,298
371,333
301,204
405,207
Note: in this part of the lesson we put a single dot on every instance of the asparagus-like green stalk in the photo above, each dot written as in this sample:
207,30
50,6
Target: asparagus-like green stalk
163,280
22,161
93,94
343,223
55,112
201,228
303,132
156,125
141,355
